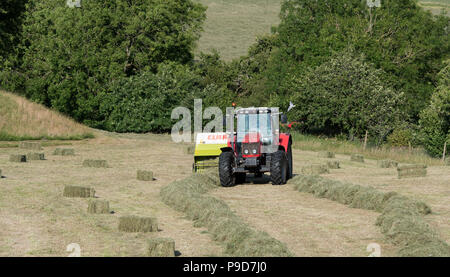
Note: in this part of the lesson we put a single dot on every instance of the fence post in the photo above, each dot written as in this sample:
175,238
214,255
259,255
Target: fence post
365,140
445,150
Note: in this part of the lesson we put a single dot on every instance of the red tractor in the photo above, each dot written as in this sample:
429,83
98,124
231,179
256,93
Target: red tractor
255,147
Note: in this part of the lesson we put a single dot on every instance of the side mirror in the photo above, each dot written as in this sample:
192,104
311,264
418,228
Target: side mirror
284,119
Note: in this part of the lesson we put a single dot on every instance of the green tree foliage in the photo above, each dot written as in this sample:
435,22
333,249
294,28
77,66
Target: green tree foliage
435,119
400,38
346,95
11,12
72,54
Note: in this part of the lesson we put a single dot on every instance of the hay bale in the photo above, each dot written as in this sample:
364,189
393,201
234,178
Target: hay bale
96,206
190,150
326,154
138,224
30,145
18,158
315,169
161,247
447,161
143,175
387,163
78,191
411,171
333,164
1,174
35,156
357,158
95,163
64,152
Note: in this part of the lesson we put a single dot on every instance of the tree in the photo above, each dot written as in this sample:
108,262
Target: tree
435,119
345,95
72,54
11,12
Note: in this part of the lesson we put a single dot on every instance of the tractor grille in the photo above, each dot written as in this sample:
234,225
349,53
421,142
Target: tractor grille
250,148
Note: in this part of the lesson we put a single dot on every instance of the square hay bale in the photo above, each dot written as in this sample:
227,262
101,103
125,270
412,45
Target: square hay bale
387,163
190,149
411,171
95,163
96,206
78,191
30,145
36,156
447,161
143,175
64,152
315,169
18,158
333,164
161,247
138,224
326,154
357,158
1,174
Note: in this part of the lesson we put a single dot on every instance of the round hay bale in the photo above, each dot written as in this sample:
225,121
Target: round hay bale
357,158
78,191
18,158
412,171
64,152
143,175
315,169
138,224
333,164
95,163
190,150
326,154
387,163
161,247
36,156
30,145
96,206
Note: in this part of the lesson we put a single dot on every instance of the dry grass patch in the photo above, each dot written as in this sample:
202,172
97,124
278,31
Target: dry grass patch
18,158
78,191
96,206
161,247
136,224
95,163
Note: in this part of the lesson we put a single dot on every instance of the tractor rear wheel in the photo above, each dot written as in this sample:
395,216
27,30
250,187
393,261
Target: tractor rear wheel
289,158
279,168
226,163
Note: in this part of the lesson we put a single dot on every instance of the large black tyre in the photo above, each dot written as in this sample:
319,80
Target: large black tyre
240,178
279,168
226,163
290,164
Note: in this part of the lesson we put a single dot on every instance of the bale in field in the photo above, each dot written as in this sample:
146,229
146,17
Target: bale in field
411,171
161,247
18,158
326,154
190,149
36,156
357,158
447,161
78,191
96,206
95,163
138,224
30,145
1,174
333,164
64,152
315,169
387,163
143,175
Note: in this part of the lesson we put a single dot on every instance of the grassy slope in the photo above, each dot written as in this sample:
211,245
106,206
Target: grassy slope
21,119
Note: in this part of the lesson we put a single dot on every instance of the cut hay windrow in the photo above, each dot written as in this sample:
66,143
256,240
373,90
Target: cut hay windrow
64,152
96,206
190,149
401,221
357,158
161,247
18,158
136,224
78,191
95,163
315,169
239,239
387,164
326,154
35,156
143,175
411,171
333,164
30,145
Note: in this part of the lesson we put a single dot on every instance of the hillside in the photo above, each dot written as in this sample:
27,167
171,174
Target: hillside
21,119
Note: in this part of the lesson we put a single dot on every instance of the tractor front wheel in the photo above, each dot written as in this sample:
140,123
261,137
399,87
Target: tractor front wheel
279,168
226,163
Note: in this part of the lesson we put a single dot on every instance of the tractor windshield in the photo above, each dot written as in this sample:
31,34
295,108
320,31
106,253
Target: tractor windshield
254,127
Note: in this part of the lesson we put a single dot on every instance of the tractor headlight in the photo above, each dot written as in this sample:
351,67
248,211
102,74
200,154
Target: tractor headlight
246,151
254,151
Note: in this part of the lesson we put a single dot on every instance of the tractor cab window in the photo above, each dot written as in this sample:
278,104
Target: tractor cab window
254,125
